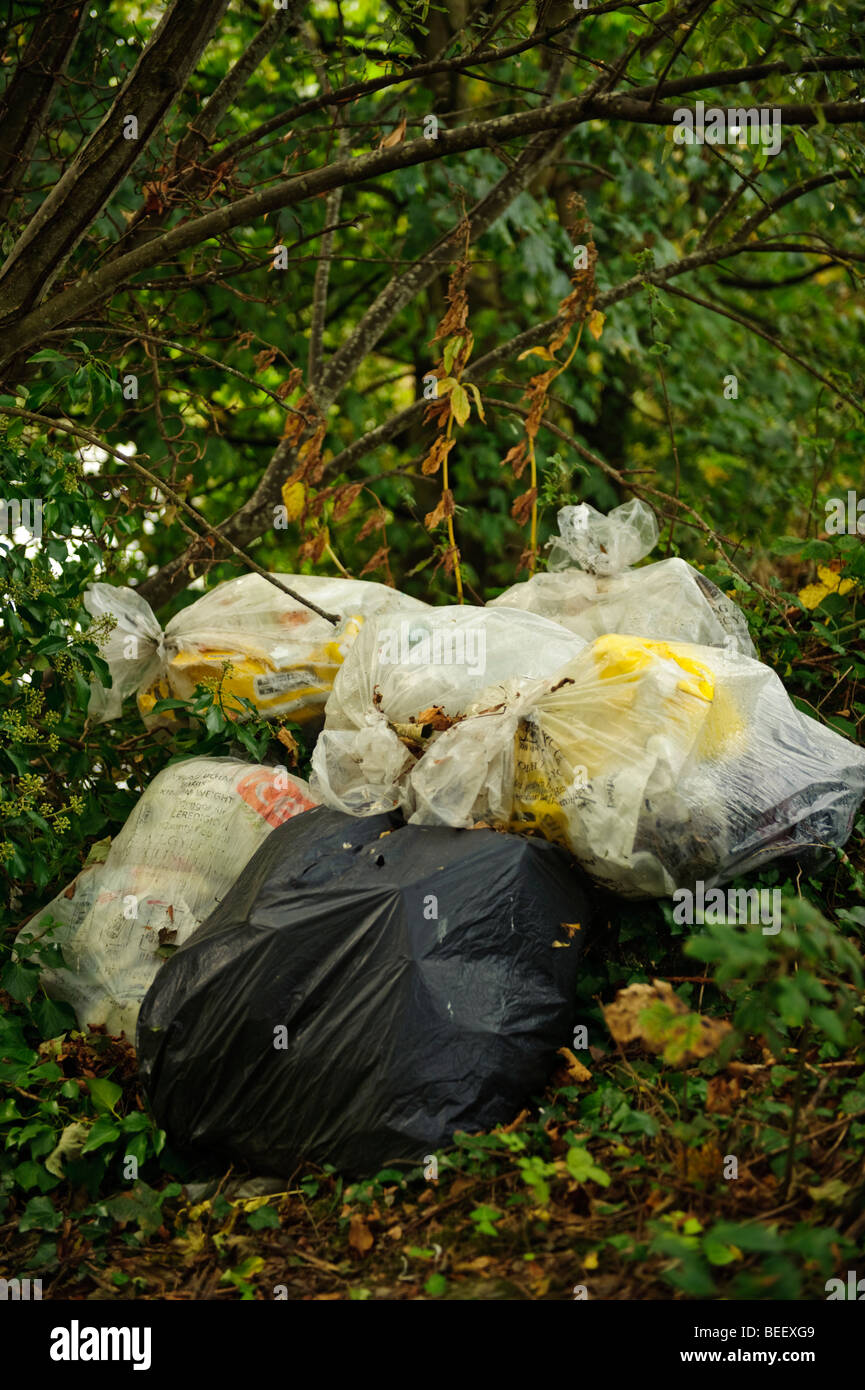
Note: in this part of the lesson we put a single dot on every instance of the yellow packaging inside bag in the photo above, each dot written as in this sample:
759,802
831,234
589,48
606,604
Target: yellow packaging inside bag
620,693
297,688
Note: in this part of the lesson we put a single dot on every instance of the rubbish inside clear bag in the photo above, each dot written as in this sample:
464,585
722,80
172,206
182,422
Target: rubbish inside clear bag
657,764
590,588
259,643
405,678
186,840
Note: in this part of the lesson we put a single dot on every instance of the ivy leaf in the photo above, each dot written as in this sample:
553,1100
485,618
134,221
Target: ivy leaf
20,981
101,1132
39,1215
105,1094
582,1168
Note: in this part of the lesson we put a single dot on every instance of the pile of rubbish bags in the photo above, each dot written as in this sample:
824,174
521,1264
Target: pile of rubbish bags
353,970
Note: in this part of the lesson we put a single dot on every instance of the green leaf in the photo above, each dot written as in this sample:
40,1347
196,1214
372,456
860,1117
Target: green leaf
803,144
262,1218
52,1018
21,981
105,1094
102,1132
582,1168
460,407
39,1215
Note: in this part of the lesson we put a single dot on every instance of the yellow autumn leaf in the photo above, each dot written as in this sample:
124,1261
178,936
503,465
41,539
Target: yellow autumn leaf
538,352
478,402
460,407
830,583
596,324
834,583
591,1261
293,498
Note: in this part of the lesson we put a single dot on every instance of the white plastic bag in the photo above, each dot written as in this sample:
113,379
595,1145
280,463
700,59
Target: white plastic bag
187,839
401,671
657,764
668,600
283,656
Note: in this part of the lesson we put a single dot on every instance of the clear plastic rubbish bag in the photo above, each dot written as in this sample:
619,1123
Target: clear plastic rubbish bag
187,839
407,677
590,588
657,764
283,656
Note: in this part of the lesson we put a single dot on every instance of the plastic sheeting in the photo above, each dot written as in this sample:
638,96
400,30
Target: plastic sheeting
668,601
364,992
283,656
187,839
402,668
657,764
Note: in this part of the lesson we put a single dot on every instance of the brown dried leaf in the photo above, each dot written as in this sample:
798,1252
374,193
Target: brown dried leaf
443,508
518,457
291,383
436,716
633,1017
573,1066
343,497
439,451
396,136
264,358
376,521
378,560
313,548
360,1237
522,508
290,742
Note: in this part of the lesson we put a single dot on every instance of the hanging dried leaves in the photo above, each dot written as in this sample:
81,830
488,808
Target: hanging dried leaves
522,508
442,510
378,561
376,521
439,451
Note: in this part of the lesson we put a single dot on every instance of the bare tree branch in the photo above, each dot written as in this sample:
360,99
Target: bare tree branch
27,100
99,168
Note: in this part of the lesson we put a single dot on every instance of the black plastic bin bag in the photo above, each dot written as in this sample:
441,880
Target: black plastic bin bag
365,990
